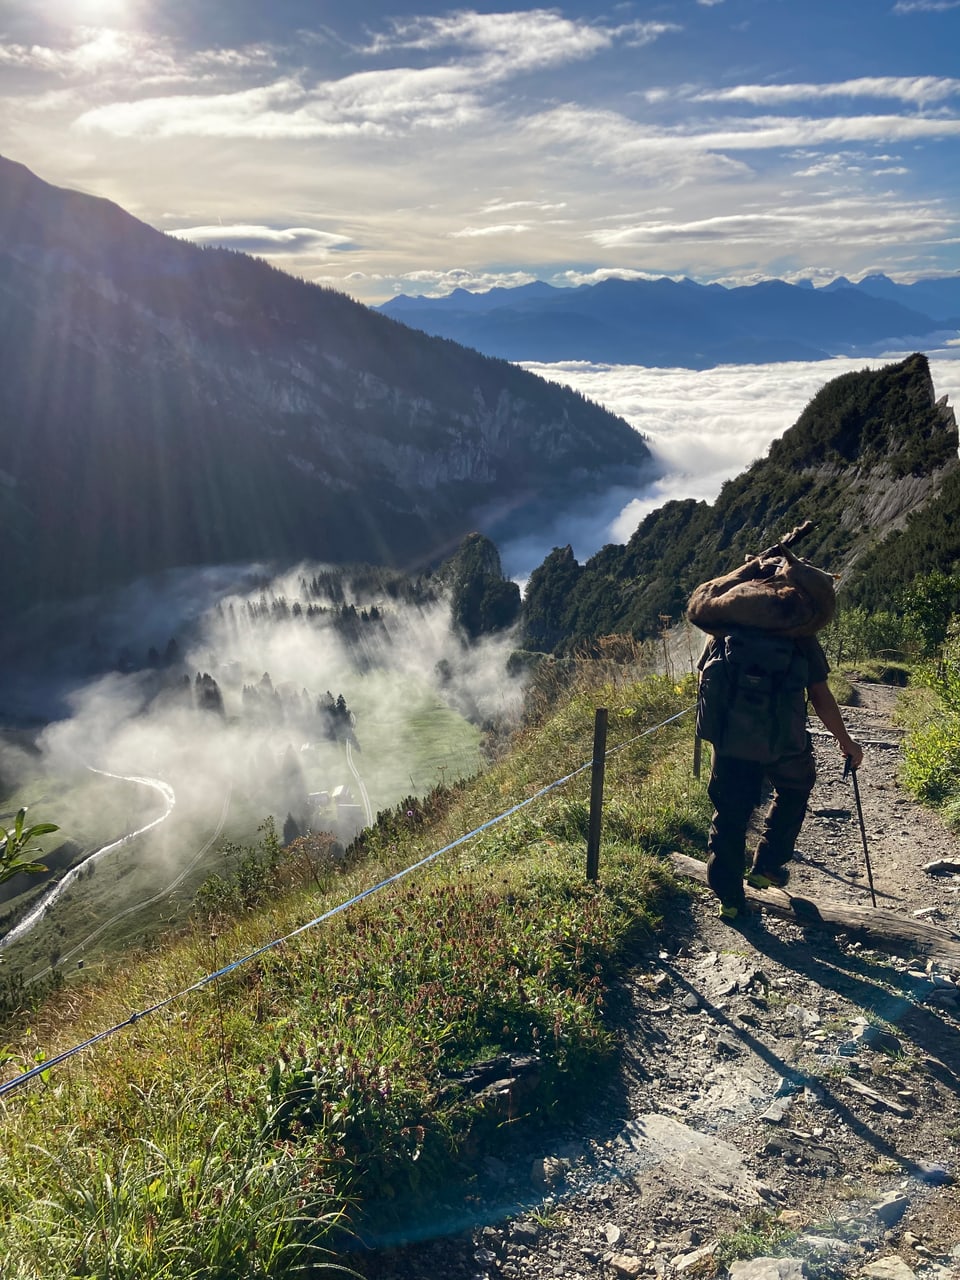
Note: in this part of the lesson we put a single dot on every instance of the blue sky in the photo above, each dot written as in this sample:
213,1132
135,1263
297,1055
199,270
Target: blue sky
384,148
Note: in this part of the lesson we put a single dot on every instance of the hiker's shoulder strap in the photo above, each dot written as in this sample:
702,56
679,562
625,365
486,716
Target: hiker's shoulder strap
712,647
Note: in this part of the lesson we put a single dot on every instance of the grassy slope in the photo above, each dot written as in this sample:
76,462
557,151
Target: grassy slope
404,748
214,1137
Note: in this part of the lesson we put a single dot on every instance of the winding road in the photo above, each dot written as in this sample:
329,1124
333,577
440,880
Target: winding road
147,902
20,931
169,796
361,787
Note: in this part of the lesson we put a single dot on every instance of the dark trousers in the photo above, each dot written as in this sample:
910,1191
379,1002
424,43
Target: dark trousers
735,788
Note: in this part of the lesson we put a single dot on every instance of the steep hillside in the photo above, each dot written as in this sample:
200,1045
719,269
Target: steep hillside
165,405
872,460
679,322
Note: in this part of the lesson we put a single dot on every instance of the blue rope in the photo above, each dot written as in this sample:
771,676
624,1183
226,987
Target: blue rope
55,1061
670,719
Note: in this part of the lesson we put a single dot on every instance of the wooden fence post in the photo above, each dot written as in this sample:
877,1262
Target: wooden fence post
596,791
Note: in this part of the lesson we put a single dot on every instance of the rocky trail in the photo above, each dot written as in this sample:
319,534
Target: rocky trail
789,1100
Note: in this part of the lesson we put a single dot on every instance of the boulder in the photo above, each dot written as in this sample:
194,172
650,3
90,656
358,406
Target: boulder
768,1269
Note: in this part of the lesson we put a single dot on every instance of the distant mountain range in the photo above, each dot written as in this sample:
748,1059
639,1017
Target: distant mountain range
165,405
681,323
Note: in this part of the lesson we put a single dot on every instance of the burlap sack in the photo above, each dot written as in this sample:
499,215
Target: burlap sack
782,594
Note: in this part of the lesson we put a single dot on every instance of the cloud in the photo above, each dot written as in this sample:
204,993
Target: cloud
410,161
704,427
616,139
390,102
500,229
833,164
502,206
609,140
508,43
925,6
372,105
93,51
265,241
912,89
827,222
130,58
847,162
575,278
438,283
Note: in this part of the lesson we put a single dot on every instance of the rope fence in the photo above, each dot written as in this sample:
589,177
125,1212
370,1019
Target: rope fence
48,1064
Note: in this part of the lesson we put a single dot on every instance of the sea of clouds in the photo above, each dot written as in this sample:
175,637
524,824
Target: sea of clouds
703,427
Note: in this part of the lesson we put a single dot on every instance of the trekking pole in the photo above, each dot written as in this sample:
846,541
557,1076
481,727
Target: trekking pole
848,768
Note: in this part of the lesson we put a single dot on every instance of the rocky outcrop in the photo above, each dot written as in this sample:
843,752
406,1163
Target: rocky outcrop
871,462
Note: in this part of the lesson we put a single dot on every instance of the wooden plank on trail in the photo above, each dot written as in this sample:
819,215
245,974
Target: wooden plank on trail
865,1091
882,929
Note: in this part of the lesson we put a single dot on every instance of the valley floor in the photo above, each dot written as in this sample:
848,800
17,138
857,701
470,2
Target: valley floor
783,1094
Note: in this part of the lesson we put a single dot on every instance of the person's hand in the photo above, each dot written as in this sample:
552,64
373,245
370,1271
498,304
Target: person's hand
854,751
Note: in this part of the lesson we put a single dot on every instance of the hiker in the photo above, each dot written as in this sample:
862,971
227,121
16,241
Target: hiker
736,785
757,671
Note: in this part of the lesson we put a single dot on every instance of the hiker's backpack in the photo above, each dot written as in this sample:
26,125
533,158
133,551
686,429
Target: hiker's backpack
752,697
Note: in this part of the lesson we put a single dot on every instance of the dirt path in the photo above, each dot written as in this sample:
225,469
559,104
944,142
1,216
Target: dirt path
784,1094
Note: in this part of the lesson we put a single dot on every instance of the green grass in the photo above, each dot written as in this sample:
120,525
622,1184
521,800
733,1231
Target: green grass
88,809
884,671
760,1235
930,711
224,1136
409,739
868,671
841,688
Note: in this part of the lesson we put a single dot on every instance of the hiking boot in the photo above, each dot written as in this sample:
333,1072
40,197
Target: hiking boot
767,877
737,912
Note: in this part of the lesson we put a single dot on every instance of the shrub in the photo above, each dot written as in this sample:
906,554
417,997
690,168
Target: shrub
931,767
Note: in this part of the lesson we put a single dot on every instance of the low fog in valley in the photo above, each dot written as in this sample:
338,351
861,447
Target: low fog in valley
226,706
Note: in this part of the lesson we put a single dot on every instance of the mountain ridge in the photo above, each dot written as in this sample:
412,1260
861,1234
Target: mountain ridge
667,322
167,405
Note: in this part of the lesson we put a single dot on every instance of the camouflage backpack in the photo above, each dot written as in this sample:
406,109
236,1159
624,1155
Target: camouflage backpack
751,701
